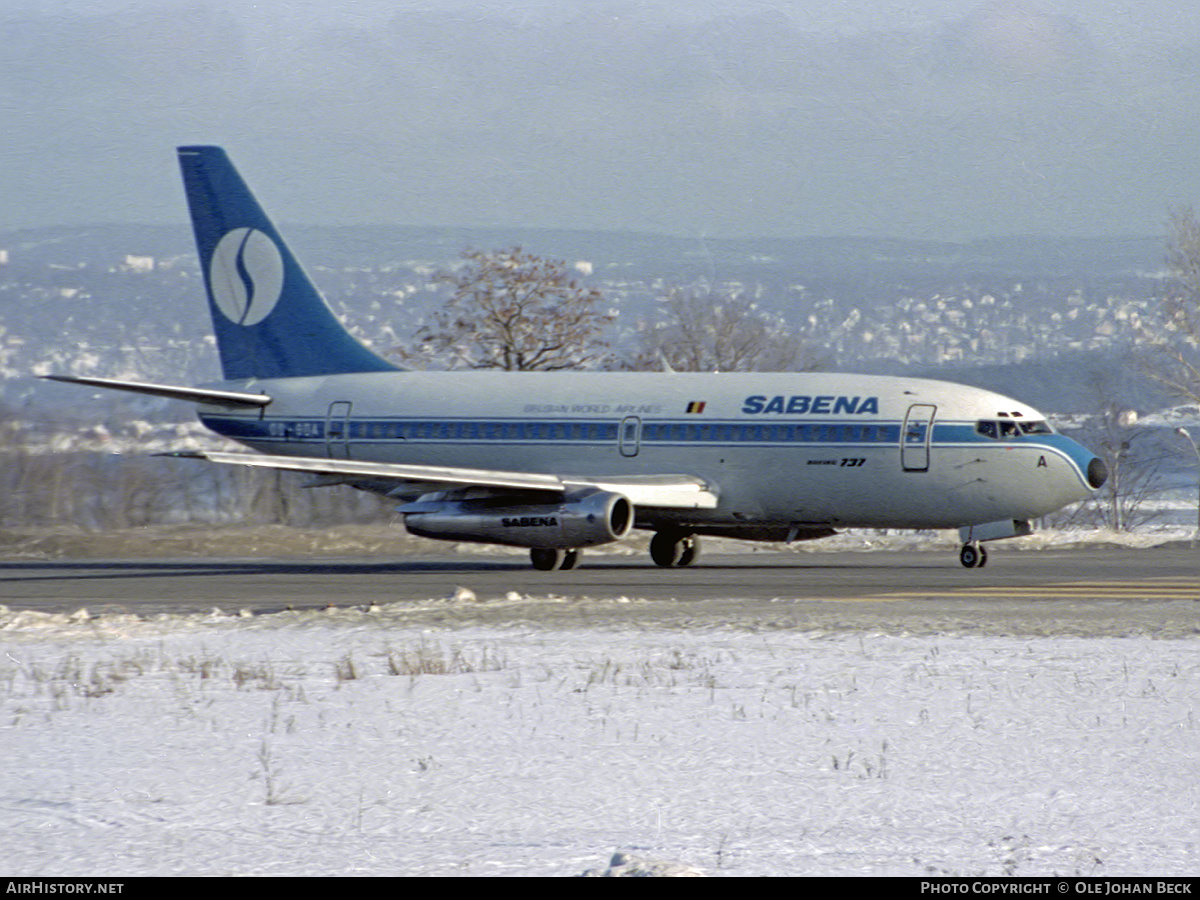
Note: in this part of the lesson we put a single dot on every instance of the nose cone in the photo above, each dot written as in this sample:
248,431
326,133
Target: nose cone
1082,474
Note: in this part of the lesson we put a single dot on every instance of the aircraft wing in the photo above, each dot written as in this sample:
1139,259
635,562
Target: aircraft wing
662,491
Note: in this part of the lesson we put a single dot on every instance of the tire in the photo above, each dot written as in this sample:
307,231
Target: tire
972,556
669,549
546,560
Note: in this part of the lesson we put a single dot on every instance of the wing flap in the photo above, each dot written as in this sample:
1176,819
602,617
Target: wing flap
359,470
666,491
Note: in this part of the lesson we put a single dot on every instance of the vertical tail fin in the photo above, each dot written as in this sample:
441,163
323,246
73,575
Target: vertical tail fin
269,319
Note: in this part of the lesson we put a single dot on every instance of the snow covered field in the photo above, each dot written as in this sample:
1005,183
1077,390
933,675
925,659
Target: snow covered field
345,742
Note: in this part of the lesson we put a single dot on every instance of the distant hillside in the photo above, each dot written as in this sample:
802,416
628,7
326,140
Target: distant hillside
650,255
1030,316
1072,384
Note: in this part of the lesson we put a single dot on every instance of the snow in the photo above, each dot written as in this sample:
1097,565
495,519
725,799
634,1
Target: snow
349,742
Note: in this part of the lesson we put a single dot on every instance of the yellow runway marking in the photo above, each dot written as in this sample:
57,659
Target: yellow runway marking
1152,589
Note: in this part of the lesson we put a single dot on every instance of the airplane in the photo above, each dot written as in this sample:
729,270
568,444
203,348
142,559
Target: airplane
561,461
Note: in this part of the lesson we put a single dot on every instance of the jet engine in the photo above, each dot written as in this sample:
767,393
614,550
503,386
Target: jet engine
580,521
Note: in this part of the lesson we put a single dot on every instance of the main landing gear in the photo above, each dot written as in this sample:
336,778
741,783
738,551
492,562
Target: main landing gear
549,560
973,556
670,549
667,548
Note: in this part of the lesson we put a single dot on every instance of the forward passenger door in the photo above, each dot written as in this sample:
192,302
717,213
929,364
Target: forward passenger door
915,437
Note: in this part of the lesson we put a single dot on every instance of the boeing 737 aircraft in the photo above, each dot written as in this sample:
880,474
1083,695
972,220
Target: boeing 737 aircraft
557,462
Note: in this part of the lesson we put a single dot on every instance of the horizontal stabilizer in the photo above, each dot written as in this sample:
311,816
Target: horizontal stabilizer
174,392
665,491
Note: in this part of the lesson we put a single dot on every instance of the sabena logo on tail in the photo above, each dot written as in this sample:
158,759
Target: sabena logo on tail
246,275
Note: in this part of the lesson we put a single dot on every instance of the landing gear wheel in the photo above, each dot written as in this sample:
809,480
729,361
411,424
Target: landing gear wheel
547,560
973,556
669,549
550,560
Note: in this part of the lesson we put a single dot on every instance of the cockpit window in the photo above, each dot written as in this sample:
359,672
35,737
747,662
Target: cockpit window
1007,429
1038,427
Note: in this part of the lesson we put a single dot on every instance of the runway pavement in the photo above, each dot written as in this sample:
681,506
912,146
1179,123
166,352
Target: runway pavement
1100,591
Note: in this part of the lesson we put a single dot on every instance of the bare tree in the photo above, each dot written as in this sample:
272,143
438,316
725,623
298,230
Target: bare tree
1170,343
513,310
1132,455
717,330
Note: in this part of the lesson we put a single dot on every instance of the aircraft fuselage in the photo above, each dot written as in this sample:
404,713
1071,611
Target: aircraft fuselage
811,449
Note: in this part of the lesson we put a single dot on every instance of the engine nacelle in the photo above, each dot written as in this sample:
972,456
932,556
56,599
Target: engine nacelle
582,521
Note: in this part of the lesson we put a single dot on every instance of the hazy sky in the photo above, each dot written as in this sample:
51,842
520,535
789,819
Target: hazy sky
946,119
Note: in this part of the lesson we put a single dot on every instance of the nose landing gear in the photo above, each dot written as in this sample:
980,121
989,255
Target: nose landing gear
973,556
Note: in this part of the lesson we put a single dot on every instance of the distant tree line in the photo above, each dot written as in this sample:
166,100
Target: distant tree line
518,311
95,490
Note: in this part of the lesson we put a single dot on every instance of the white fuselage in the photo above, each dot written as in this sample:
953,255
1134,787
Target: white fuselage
779,449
